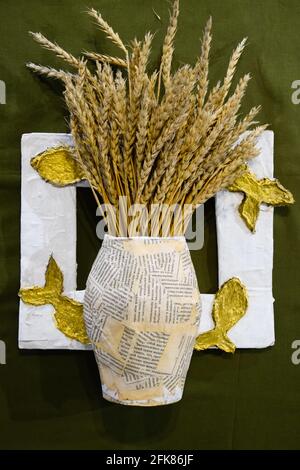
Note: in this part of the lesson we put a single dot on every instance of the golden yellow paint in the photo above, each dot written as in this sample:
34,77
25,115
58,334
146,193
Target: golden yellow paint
57,166
68,313
230,306
256,192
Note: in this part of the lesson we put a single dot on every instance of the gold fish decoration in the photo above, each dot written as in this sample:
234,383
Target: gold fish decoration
68,313
256,192
230,305
57,166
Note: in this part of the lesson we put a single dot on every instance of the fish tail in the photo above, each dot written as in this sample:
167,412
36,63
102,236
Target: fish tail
52,290
39,295
214,338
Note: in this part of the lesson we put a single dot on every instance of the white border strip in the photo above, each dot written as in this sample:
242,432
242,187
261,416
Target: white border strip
48,225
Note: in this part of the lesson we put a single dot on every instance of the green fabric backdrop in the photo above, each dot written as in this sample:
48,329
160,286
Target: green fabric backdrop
52,399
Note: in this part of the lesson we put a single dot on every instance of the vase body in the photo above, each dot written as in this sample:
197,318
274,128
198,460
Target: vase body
142,310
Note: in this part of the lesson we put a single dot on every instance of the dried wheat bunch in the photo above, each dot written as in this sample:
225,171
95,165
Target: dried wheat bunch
157,137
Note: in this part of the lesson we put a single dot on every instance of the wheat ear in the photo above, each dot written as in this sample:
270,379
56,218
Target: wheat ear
52,46
232,67
168,48
106,58
201,67
48,71
107,29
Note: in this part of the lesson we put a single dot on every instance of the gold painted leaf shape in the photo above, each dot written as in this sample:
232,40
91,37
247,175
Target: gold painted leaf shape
50,292
230,305
56,165
257,192
69,319
68,313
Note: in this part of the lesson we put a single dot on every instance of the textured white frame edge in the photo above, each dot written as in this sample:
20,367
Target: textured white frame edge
48,226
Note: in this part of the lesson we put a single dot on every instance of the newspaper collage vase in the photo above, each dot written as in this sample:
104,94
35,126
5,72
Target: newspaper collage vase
142,311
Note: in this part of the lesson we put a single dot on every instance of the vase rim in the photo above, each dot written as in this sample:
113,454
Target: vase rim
143,237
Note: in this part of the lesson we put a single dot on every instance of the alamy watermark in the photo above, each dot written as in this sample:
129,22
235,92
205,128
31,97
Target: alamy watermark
295,357
2,352
296,94
154,220
2,92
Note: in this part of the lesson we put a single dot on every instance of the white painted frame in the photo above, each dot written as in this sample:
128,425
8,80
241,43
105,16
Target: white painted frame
48,226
